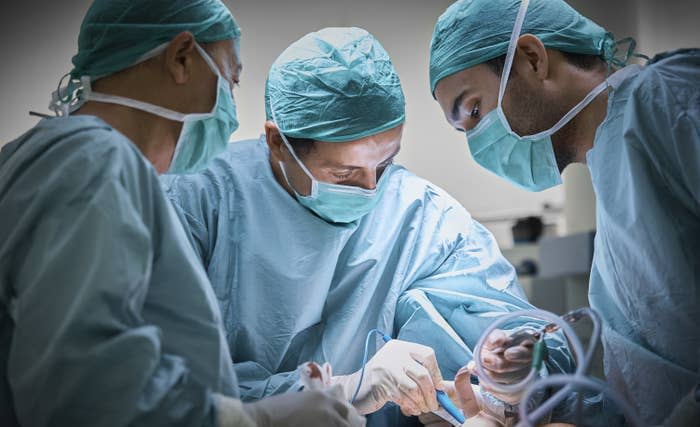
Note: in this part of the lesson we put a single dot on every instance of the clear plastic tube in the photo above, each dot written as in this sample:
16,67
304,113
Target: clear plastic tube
573,382
582,367
570,382
536,314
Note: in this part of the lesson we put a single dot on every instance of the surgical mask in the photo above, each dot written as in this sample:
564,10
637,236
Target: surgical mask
203,135
336,203
526,161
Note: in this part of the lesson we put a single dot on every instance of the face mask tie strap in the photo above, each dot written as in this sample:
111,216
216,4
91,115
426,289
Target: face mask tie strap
66,98
621,56
512,46
314,185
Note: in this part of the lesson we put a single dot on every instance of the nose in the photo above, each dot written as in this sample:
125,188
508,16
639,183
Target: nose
369,180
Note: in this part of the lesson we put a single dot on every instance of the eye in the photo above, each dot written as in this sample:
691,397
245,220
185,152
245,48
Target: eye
475,112
342,176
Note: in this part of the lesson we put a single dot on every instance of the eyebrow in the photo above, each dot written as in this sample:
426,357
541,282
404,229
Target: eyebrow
454,115
346,167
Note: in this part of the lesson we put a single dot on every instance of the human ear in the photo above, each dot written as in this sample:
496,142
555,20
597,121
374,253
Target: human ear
179,57
274,140
532,56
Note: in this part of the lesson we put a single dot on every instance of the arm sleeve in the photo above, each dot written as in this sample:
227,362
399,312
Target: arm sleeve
197,199
471,288
253,388
82,353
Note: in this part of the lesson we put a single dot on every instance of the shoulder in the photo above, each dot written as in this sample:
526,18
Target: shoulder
413,186
414,191
75,164
72,150
242,161
85,141
671,79
658,101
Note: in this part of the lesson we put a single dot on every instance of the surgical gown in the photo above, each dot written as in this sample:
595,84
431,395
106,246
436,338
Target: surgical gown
645,279
293,287
106,316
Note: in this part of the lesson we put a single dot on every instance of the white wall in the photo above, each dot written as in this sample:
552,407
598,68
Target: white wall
666,25
42,37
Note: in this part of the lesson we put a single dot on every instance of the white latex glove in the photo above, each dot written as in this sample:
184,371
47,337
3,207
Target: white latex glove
432,420
230,413
507,356
294,409
480,408
317,377
401,372
507,359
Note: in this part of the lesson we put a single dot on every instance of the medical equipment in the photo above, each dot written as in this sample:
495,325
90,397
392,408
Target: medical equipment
455,415
572,383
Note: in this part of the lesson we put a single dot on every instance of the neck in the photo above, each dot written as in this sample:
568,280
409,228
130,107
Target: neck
579,133
154,136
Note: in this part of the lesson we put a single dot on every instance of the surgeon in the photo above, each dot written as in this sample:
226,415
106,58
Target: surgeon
535,86
106,316
312,236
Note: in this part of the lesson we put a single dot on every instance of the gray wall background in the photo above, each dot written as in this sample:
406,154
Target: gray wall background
40,37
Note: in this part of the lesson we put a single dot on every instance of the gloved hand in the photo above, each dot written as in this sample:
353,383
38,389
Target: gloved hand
481,409
294,409
473,401
230,413
401,372
431,420
507,357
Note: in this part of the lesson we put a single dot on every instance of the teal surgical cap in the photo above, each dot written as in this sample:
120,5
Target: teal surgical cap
471,32
116,34
335,85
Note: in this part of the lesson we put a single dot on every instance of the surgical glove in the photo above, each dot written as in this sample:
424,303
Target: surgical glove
479,406
507,359
401,372
230,413
294,409
431,420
